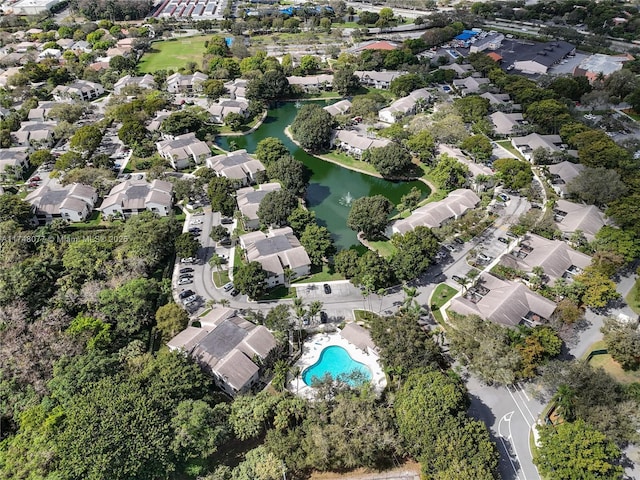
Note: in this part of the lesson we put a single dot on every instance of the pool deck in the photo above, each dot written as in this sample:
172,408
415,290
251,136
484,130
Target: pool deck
313,348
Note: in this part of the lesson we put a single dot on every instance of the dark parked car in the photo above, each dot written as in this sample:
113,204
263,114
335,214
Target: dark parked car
503,240
324,318
225,242
226,221
186,293
186,270
327,288
235,293
456,278
459,241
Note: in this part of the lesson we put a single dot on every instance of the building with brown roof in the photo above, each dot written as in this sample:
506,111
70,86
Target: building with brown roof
555,257
249,199
505,302
184,150
572,217
237,165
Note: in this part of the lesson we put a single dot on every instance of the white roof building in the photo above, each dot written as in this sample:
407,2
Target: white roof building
338,108
561,174
135,196
183,150
572,217
404,106
237,165
355,143
179,83
436,214
249,200
276,250
73,203
146,81
506,123
78,90
225,346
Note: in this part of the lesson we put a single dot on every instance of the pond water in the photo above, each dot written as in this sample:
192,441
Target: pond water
332,188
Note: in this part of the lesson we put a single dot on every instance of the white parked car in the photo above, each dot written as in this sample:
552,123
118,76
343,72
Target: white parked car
185,281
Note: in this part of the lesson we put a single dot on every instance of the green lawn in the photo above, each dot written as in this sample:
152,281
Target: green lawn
322,94
442,295
324,274
173,54
384,247
279,293
612,367
633,298
221,278
350,162
506,144
632,114
92,222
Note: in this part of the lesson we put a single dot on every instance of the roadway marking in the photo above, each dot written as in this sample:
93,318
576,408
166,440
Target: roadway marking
507,418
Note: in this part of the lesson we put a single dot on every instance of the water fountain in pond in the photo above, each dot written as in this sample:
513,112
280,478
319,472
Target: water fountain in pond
346,200
298,104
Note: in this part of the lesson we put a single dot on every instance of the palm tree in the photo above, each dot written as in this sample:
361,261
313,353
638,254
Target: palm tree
409,294
314,308
565,399
280,370
299,311
381,293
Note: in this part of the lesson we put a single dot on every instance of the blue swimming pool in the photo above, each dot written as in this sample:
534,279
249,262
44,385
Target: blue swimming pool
336,362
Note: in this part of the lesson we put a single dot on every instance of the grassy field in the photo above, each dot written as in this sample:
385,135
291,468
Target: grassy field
384,247
221,278
633,299
350,162
442,295
325,274
173,54
506,144
612,367
279,293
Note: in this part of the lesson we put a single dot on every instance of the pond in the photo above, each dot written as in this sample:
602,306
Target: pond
332,188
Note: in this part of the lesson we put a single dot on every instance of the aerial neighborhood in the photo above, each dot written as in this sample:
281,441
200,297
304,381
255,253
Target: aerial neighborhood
265,240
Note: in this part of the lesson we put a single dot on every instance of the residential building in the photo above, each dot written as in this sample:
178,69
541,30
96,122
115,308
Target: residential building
496,57
379,80
600,65
238,166
179,83
561,174
78,90
53,53
228,347
73,203
492,41
572,217
156,122
249,199
82,46
220,110
527,144
41,112
506,123
132,197
437,214
183,150
405,106
146,82
13,160
537,59
469,85
504,302
32,7
355,143
278,251
338,108
462,70
7,74
34,133
236,89
496,98
312,83
555,257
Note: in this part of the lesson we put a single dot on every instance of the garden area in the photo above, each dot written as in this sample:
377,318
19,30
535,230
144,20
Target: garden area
441,295
613,368
173,54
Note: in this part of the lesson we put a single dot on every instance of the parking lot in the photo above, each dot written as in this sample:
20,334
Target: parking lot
315,291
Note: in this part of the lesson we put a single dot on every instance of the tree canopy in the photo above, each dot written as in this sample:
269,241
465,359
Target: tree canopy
369,215
312,128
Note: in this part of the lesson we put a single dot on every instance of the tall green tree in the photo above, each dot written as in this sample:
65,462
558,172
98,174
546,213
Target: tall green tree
276,207
317,241
270,149
575,451
312,128
392,160
249,279
369,215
